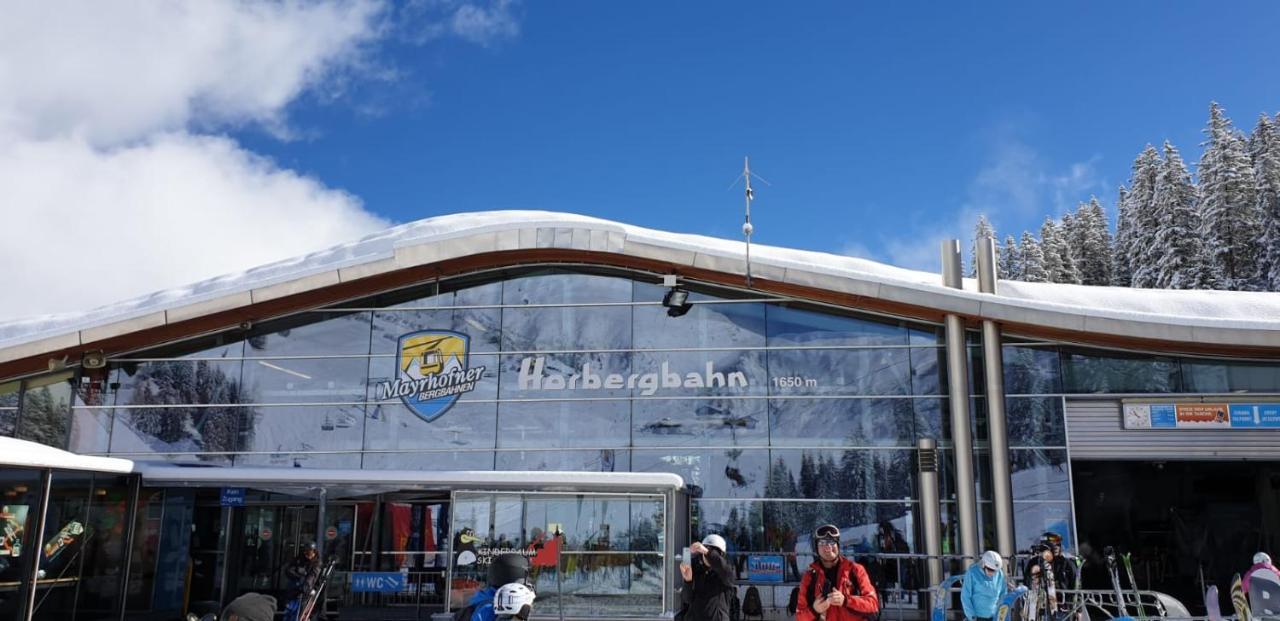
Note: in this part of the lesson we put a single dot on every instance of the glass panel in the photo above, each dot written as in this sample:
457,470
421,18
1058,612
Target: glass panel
572,376
300,429
565,424
603,460
9,392
103,551
180,382
877,474
300,459
705,325
732,473
1031,370
1040,474
929,414
1033,519
731,373
46,410
872,372
64,538
311,334
19,508
1035,421
1112,372
434,461
566,327
926,370
842,422
793,326
741,523
699,422
1222,376
294,380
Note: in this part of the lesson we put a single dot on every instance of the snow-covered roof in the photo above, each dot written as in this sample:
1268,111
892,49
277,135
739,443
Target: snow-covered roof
1211,317
359,482
23,453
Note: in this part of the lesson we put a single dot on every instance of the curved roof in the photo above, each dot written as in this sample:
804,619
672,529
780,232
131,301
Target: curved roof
1223,318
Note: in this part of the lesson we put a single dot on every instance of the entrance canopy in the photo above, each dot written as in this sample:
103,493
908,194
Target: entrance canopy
15,453
349,483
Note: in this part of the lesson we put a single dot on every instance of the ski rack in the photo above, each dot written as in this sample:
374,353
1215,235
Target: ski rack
1095,604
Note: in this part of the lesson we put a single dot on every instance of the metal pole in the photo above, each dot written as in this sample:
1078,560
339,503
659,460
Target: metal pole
997,421
131,522
33,565
958,391
224,578
320,511
930,507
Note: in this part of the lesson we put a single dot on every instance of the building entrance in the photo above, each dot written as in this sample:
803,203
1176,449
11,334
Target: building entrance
267,538
1188,525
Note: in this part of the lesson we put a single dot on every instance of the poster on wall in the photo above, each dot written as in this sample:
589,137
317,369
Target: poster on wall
13,521
1201,416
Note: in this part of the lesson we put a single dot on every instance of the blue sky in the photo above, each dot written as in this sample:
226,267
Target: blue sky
181,141
880,128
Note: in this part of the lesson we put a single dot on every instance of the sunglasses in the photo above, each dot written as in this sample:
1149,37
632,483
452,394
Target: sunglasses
828,531
828,542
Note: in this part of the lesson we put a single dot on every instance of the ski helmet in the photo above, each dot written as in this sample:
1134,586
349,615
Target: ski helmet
715,541
1261,557
513,600
827,532
507,568
991,559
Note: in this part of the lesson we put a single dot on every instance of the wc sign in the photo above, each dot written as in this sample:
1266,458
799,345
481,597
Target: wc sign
378,582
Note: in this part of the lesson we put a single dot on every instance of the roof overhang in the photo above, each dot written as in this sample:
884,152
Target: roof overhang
15,453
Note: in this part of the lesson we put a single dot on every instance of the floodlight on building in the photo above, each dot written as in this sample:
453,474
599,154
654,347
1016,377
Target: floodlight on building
677,302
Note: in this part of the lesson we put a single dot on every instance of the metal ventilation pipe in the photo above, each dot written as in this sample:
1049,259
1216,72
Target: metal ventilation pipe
930,506
993,369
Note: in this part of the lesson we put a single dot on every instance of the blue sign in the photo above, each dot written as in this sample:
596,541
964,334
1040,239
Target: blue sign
377,582
233,496
344,527
1255,415
1164,415
764,568
434,370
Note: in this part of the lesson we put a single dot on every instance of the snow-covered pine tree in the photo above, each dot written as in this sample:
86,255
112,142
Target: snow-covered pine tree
1032,260
1264,150
1180,257
1069,232
1141,213
1010,260
1058,264
1231,224
1121,269
1094,244
980,232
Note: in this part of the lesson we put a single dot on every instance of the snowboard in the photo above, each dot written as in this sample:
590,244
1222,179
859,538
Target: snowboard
63,538
1264,593
317,591
1211,604
942,597
1238,600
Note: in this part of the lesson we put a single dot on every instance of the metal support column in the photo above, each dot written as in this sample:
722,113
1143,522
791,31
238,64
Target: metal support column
130,530
33,552
224,576
320,519
997,423
958,392
930,506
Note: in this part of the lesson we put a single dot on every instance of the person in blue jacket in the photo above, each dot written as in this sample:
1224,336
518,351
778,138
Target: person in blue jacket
984,585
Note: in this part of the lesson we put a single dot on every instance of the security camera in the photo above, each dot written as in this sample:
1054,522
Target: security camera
57,364
93,359
246,325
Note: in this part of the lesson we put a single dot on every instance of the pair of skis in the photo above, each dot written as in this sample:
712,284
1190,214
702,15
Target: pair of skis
317,590
1114,570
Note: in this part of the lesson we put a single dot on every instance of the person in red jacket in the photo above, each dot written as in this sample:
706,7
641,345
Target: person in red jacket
835,588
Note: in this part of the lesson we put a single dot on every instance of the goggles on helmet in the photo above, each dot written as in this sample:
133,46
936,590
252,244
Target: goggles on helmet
828,531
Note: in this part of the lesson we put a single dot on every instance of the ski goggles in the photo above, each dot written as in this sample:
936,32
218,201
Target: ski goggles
828,531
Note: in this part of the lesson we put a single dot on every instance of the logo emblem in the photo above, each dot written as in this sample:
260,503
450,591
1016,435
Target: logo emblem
431,372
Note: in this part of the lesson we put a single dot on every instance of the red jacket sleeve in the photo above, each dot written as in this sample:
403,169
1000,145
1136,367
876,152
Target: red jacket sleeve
804,608
868,602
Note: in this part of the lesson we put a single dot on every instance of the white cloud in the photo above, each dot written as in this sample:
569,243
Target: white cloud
112,182
486,23
1016,188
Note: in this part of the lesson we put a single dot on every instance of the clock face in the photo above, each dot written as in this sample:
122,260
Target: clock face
1137,417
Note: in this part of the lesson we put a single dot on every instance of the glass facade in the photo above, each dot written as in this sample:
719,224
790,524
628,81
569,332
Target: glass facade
778,415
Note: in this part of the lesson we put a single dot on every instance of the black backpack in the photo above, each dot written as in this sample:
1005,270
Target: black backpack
751,604
793,602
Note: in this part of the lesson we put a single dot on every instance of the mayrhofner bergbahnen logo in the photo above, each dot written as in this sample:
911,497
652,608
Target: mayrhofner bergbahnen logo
432,372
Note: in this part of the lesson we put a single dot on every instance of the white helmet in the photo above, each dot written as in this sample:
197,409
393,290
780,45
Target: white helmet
715,541
992,559
1261,557
513,600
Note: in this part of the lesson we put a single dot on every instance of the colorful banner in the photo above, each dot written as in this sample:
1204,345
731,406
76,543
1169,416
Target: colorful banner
1201,416
764,568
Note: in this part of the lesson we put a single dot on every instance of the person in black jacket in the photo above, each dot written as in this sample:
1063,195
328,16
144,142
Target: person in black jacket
303,573
1049,551
709,590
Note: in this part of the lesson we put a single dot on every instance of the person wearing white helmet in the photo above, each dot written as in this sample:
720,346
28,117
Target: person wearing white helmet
709,588
513,601
984,585
1261,561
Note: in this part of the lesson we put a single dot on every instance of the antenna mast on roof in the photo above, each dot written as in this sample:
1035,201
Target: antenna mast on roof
750,195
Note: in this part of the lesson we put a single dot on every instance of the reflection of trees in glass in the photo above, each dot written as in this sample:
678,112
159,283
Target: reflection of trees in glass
1093,373
45,417
223,427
